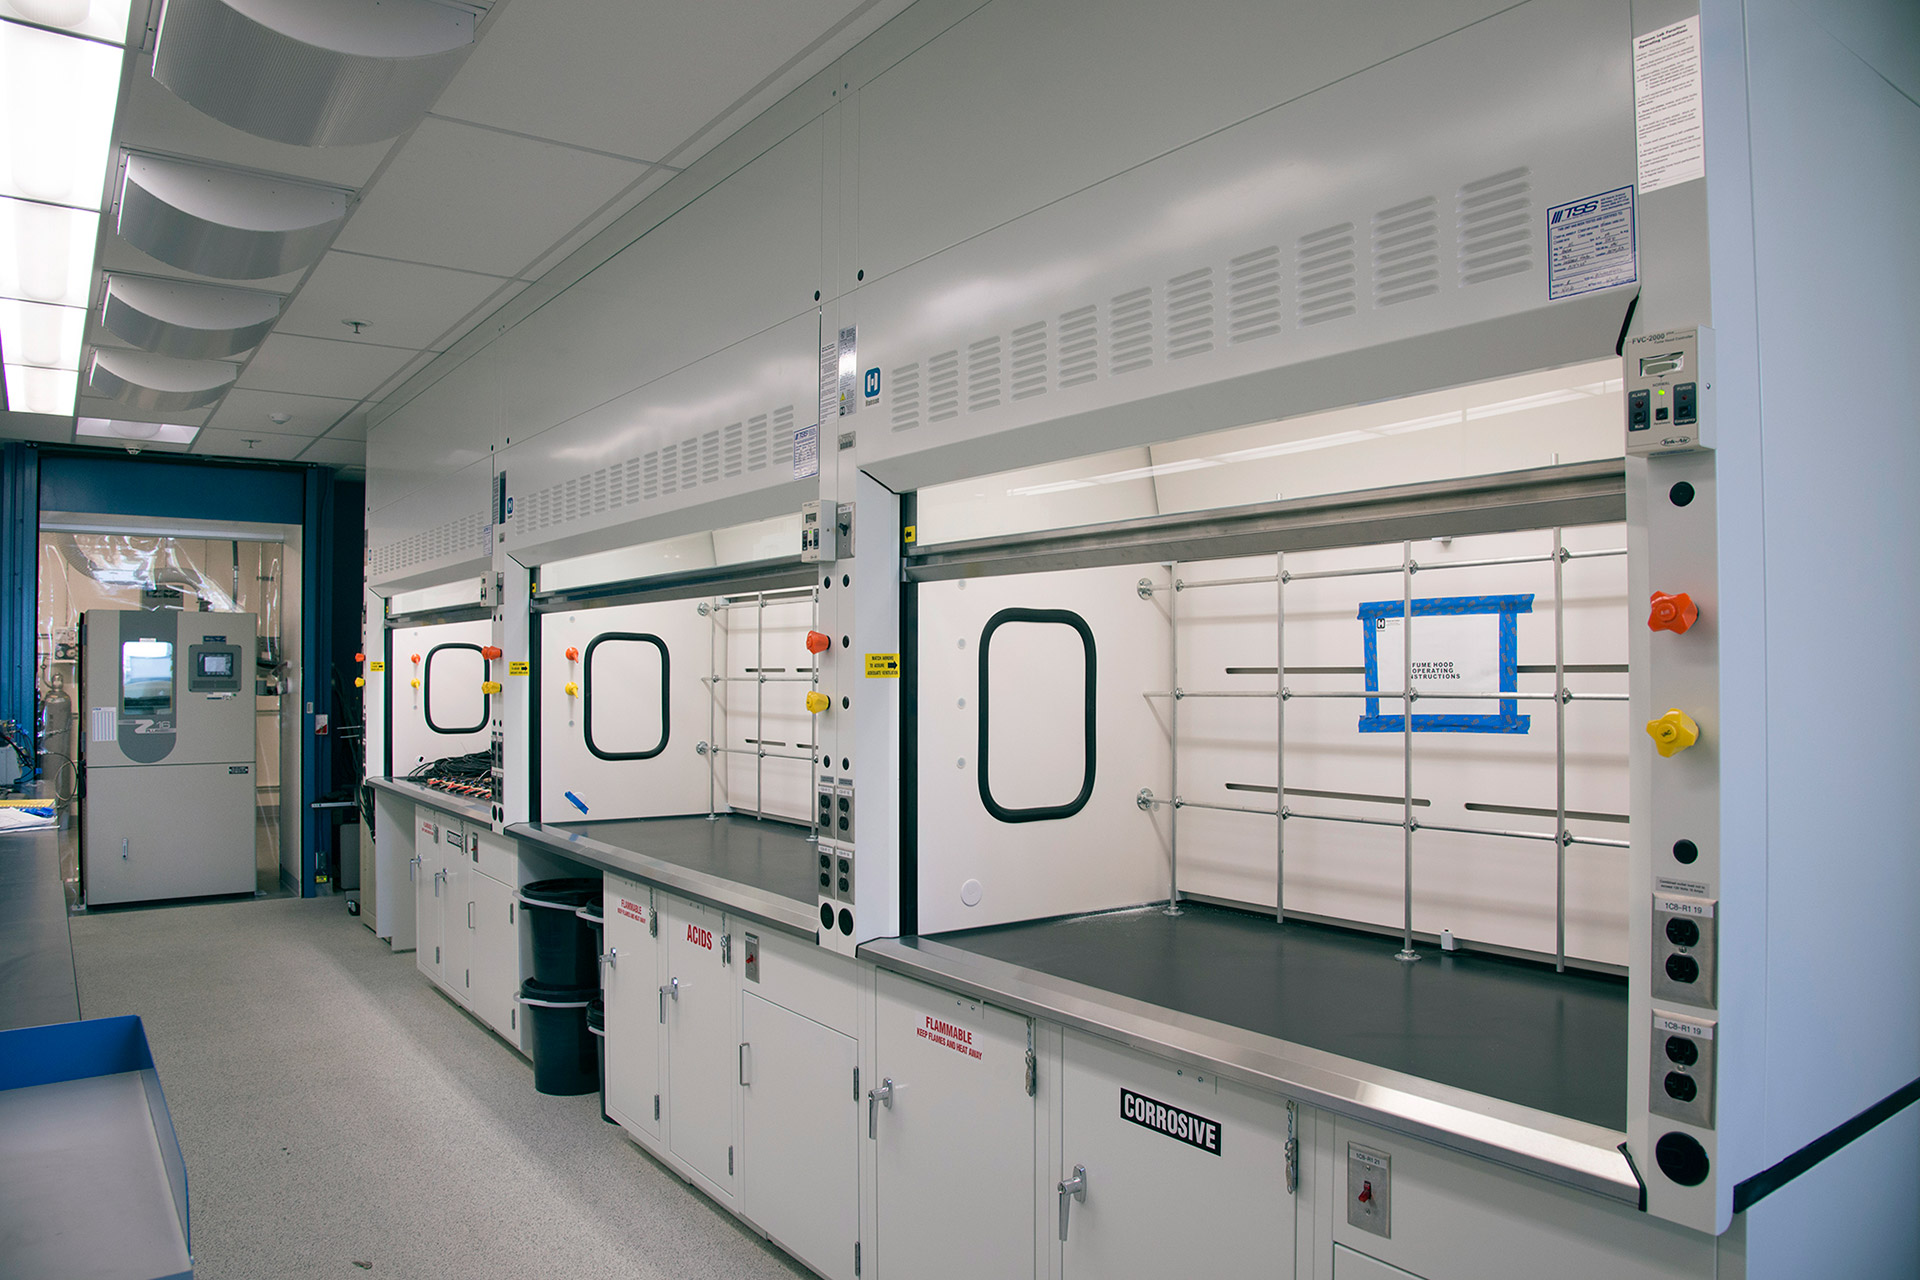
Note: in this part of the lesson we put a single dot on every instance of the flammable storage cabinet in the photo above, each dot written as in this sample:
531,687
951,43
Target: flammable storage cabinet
169,800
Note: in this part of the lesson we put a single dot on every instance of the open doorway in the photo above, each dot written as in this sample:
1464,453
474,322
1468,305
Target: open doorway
95,562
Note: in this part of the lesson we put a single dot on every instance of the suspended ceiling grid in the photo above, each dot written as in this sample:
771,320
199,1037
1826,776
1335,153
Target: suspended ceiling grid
566,114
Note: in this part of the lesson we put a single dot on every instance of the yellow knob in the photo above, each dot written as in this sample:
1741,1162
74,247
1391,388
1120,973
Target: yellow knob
1673,732
415,682
491,686
359,682
818,702
573,688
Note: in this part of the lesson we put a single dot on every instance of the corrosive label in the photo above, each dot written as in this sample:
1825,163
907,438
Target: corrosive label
883,665
633,911
519,668
1172,1122
940,1031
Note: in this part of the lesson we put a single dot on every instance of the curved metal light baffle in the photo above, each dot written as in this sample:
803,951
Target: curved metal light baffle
226,224
161,384
177,318
312,74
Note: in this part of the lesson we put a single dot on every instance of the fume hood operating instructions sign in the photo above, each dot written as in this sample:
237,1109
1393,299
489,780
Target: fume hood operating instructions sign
1668,125
1590,244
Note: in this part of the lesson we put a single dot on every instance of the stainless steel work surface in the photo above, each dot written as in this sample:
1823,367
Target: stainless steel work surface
766,870
1508,1029
462,807
1329,1018
83,1187
36,950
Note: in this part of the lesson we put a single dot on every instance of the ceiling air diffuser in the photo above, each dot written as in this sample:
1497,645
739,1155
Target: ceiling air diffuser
314,73
160,384
176,318
226,224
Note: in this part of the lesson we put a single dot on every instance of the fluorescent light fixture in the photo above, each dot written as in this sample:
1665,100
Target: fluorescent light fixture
99,19
46,252
124,429
31,389
37,334
58,134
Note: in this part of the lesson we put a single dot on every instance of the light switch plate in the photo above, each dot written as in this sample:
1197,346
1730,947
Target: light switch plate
1369,1190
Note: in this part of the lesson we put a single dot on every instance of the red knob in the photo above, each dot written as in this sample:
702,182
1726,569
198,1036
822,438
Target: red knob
1673,613
490,652
416,659
818,643
573,654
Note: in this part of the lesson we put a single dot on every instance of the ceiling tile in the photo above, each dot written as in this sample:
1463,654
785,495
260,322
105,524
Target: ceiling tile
233,444
651,75
558,253
477,200
45,428
254,411
403,304
154,120
352,427
322,366
336,453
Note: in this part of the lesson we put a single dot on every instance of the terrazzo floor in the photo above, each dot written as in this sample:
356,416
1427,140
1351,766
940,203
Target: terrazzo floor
340,1118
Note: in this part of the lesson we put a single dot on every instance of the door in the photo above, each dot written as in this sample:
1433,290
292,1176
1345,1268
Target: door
494,991
955,1149
799,1134
456,913
635,1010
142,845
429,893
702,1040
1165,1145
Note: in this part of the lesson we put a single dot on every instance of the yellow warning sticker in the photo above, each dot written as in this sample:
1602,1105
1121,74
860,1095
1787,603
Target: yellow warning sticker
884,666
906,534
519,668
376,666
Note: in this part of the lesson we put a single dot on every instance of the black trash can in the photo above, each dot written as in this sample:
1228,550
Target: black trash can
565,954
566,1058
597,1028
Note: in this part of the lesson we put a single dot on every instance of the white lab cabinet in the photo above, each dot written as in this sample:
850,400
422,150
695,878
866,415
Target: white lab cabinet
702,1041
635,1007
493,984
1180,1170
952,1127
800,1134
456,912
430,891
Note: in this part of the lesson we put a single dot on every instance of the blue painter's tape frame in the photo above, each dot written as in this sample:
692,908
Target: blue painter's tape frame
1509,608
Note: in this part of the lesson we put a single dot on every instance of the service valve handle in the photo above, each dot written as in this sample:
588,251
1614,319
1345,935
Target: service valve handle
1673,613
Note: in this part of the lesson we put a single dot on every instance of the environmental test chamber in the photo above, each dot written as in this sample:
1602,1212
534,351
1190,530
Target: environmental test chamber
168,803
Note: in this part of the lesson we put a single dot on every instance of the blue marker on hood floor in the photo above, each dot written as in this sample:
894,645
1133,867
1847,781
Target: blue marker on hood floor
577,802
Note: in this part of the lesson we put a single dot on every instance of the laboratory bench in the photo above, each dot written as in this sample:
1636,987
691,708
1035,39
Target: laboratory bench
761,869
1500,1058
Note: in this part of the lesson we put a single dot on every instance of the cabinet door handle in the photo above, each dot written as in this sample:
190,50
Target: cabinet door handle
411,864
883,1093
469,916
746,1063
1071,1189
611,959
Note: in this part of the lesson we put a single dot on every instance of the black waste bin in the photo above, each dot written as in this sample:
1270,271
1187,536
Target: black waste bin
597,1028
566,1058
564,950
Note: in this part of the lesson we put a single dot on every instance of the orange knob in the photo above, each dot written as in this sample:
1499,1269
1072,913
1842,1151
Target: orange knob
491,652
818,643
416,659
573,654
1672,613
359,657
